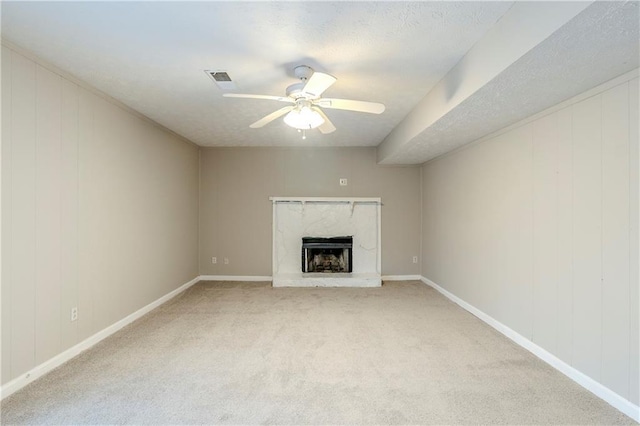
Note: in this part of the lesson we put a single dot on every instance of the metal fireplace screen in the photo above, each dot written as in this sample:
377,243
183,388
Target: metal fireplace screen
330,255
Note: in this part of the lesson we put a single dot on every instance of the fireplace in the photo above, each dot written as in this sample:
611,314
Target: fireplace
353,259
327,255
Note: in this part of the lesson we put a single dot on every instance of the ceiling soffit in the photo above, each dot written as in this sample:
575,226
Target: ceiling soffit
598,44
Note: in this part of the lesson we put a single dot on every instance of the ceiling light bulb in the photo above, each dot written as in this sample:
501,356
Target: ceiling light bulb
303,118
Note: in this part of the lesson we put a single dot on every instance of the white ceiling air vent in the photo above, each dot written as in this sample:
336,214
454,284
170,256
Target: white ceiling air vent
222,79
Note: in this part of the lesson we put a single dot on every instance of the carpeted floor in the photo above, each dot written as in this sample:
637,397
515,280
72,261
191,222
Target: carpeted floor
246,353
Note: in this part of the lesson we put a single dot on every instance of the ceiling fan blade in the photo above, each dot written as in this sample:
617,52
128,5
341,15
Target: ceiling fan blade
268,97
351,105
318,83
269,118
327,126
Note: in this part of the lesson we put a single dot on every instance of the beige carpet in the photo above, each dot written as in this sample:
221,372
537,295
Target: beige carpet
246,353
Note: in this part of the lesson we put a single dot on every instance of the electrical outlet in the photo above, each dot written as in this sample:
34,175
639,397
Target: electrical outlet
415,259
343,181
226,260
74,313
214,260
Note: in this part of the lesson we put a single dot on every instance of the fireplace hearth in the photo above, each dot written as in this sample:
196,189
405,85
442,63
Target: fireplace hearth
327,255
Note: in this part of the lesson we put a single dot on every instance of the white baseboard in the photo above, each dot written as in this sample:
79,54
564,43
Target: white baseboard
268,278
234,278
42,369
598,389
400,277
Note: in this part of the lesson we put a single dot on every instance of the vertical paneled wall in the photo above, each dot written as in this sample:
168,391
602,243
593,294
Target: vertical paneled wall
538,227
99,212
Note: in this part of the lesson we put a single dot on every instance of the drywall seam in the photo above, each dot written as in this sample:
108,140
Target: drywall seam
598,389
49,365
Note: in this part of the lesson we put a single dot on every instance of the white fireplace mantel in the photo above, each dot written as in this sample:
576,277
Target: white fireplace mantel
303,200
297,217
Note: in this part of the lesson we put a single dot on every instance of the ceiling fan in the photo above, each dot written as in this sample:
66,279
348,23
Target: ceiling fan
306,113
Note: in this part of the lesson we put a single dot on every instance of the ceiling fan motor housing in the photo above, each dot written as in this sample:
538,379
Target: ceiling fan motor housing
304,73
295,91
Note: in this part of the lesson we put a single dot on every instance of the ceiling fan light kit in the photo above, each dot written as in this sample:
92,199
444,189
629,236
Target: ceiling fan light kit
305,117
306,112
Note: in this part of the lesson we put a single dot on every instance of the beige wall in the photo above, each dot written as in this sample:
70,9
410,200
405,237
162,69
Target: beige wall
235,211
99,211
538,227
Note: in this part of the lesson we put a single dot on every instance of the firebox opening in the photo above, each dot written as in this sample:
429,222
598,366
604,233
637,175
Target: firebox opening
327,255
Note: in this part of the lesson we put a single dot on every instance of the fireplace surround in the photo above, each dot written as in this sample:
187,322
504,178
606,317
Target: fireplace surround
322,221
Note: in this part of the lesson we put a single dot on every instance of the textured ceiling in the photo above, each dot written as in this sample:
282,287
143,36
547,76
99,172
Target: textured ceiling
151,56
597,45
